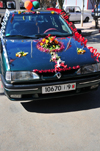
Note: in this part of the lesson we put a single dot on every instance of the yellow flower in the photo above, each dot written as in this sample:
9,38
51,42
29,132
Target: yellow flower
19,12
25,54
41,44
52,12
54,46
43,39
56,42
84,51
47,41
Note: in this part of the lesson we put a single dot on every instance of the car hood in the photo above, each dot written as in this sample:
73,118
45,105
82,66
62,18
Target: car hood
35,59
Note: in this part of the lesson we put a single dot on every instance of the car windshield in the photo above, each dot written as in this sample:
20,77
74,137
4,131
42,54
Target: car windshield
36,24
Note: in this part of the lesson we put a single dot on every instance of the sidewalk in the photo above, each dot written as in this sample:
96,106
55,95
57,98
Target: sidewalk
88,28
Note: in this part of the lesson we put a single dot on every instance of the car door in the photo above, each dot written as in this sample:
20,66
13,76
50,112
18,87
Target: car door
71,11
77,13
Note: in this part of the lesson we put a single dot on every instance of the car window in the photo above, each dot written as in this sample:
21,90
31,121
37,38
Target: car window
29,24
77,10
70,9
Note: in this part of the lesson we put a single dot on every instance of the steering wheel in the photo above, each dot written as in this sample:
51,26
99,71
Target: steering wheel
49,30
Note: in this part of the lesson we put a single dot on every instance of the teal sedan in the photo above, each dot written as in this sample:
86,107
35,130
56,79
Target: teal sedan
43,56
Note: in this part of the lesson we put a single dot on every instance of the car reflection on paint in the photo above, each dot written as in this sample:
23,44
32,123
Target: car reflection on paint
43,56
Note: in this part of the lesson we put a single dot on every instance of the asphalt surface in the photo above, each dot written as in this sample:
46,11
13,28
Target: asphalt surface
66,124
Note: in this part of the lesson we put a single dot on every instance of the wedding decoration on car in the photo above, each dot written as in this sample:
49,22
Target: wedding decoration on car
59,70
78,37
50,44
54,57
31,5
21,54
5,19
28,5
94,53
80,51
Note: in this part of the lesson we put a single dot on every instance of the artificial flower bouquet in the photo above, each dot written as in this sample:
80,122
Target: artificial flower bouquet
50,44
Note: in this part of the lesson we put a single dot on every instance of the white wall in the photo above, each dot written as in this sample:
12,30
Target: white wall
78,3
71,2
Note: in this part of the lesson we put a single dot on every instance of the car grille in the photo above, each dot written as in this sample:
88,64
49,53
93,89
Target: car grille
53,74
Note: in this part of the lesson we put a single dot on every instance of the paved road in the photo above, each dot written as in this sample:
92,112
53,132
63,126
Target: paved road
94,40
68,124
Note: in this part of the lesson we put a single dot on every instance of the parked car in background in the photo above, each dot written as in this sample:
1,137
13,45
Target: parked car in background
42,56
75,13
96,12
11,5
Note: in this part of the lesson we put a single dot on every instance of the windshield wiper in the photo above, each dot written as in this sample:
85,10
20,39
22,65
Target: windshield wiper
57,35
37,36
63,35
40,35
19,36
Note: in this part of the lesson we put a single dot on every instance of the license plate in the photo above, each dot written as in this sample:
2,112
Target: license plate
58,88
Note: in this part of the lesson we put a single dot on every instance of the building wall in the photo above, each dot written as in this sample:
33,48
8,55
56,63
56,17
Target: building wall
87,3
79,3
90,5
71,2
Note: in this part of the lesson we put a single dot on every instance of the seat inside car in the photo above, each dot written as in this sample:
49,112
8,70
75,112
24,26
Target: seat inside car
24,28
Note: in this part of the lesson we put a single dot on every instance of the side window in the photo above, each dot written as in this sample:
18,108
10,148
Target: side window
11,4
77,10
70,9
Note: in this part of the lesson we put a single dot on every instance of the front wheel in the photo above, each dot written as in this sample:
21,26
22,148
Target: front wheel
1,87
86,19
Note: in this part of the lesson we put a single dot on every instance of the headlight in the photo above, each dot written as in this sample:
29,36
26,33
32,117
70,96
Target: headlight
89,69
21,76
98,66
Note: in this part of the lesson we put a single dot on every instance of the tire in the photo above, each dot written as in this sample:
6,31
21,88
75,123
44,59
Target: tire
1,22
1,87
86,19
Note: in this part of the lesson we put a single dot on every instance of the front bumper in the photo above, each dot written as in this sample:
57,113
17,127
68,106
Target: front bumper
34,91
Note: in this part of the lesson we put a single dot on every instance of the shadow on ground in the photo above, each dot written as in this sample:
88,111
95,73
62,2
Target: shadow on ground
94,38
68,104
